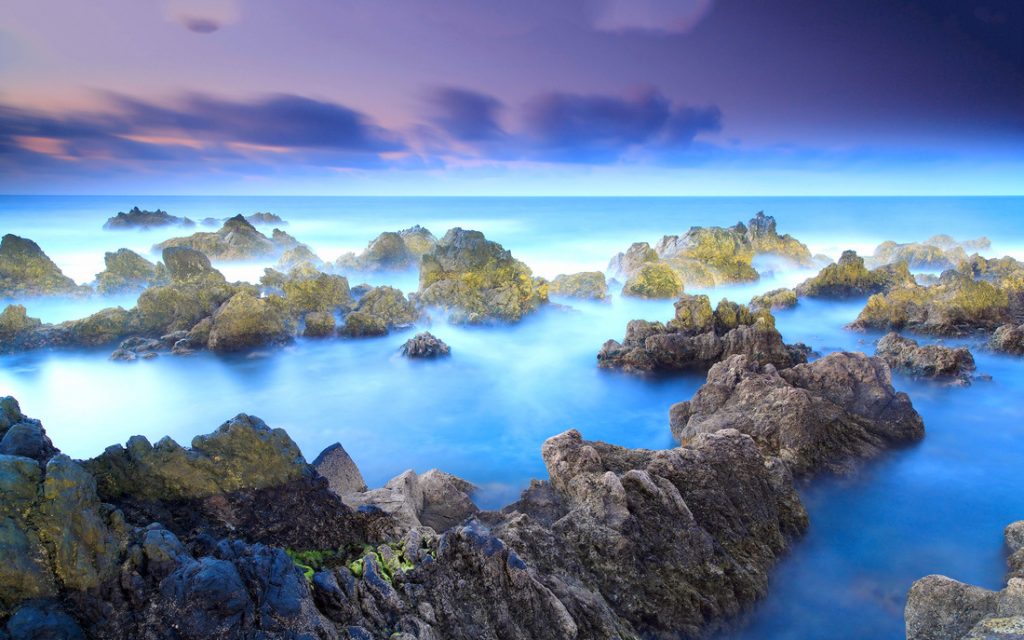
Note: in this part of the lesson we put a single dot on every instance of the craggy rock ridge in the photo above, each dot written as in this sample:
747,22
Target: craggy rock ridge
390,251
930,361
711,256
26,271
237,537
255,219
654,280
938,252
478,281
697,338
940,608
586,285
957,305
238,239
774,300
821,416
849,278
141,219
127,271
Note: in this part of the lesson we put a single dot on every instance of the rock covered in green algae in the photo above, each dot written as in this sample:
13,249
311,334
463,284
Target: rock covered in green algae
143,219
697,338
929,361
478,280
247,322
588,285
1008,338
127,271
307,290
391,251
654,280
623,265
849,278
821,416
917,255
940,608
765,240
319,324
26,271
299,256
774,300
236,240
360,324
243,453
958,305
389,305
15,324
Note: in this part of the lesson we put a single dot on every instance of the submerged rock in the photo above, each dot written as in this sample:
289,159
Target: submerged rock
478,281
588,285
940,608
391,251
822,416
930,361
127,271
143,219
425,345
697,338
236,240
26,271
849,278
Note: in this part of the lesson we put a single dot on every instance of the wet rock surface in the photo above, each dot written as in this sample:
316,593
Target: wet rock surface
849,278
425,345
391,251
587,285
127,271
697,338
929,361
26,271
237,239
826,415
940,608
1008,338
136,218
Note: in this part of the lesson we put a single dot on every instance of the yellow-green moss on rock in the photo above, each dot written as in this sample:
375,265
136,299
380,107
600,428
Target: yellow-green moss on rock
246,322
26,271
849,278
654,280
774,300
588,285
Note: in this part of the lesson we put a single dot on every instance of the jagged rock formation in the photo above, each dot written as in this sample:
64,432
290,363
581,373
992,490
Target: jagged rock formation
938,252
774,300
434,499
236,240
425,345
930,361
25,271
342,474
940,608
477,281
391,251
142,219
377,312
127,271
822,416
849,278
587,285
1008,338
654,280
697,338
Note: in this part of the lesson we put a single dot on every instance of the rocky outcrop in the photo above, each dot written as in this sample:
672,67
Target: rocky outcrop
765,240
823,416
246,322
342,474
301,257
478,281
308,290
654,280
930,361
940,608
425,345
586,285
1008,338
774,300
434,499
849,278
958,305
236,240
697,337
143,219
25,271
127,272
319,324
391,251
265,218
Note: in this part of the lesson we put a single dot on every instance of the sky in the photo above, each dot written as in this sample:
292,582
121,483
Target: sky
532,97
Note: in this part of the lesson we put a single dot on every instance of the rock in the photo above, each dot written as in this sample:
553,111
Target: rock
262,217
127,271
388,305
624,265
822,416
243,453
20,332
918,255
477,280
959,305
697,338
849,278
765,240
434,499
425,345
1008,338
360,324
391,251
138,346
319,324
299,256
307,291
15,324
654,280
26,271
142,219
931,361
236,240
342,474
247,322
187,265
588,285
43,620
27,439
774,300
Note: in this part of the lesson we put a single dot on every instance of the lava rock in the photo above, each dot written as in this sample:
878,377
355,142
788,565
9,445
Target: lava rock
425,345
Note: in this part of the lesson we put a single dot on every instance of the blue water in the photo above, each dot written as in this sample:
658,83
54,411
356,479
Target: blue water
937,507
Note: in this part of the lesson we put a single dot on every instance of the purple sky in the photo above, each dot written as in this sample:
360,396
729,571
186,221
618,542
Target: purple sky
531,96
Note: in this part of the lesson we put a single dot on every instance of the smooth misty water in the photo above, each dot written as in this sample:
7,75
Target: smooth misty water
937,507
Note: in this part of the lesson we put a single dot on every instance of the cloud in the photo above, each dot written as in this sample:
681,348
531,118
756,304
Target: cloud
664,16
202,16
200,25
466,115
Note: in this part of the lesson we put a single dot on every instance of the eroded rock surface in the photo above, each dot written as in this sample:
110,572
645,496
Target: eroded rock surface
849,278
587,285
26,271
237,239
137,218
425,345
929,361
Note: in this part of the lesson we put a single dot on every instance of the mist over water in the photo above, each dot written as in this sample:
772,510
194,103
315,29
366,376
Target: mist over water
937,507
